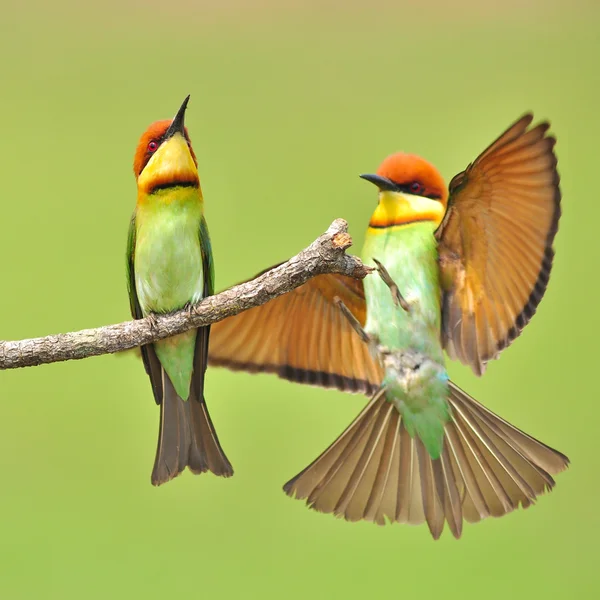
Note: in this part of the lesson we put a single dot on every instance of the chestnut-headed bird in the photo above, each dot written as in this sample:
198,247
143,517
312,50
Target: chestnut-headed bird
461,271
169,266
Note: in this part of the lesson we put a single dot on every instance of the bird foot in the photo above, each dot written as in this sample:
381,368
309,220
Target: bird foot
364,336
397,297
153,320
371,340
190,309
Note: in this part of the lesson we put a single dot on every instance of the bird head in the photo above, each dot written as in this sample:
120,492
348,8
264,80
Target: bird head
164,157
410,190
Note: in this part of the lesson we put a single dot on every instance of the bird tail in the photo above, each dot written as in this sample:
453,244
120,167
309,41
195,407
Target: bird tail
187,437
375,469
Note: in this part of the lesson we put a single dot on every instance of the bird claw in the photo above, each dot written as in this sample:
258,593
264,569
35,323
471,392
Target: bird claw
190,309
397,297
372,341
153,320
364,336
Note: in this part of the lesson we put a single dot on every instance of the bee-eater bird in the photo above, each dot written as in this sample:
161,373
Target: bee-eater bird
169,266
463,271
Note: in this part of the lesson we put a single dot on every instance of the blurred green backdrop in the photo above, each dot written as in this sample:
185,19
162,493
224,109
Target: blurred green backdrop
290,102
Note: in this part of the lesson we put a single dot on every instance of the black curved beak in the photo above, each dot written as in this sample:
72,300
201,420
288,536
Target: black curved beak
178,123
383,183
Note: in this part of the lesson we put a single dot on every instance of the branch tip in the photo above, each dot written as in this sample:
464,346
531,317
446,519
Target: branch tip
342,240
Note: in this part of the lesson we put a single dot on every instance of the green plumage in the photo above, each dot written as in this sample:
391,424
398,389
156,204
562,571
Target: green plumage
170,247
170,265
409,254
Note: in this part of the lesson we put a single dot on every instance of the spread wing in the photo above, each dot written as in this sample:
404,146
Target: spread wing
495,243
302,336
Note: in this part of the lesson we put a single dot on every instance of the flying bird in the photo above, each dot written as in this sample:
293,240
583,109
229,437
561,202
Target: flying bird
170,266
461,270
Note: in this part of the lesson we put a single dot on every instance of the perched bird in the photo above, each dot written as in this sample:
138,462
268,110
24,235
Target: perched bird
463,271
170,265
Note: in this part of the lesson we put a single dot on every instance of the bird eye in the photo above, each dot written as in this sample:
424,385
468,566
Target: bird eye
152,146
416,187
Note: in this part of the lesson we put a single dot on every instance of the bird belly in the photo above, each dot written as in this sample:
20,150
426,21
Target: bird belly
169,274
409,254
168,265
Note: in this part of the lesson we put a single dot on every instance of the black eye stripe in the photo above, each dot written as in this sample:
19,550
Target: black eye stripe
406,188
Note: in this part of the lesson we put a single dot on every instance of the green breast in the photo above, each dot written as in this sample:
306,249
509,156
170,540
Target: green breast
168,258
409,253
169,272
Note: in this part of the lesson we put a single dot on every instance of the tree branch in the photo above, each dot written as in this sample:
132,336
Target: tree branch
325,255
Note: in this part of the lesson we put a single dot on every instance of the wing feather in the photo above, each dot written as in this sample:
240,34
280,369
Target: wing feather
302,336
149,358
495,243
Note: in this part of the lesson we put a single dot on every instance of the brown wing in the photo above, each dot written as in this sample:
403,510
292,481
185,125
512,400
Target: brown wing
495,243
301,336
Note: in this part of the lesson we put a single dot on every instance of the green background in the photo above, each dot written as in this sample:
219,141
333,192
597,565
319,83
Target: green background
290,102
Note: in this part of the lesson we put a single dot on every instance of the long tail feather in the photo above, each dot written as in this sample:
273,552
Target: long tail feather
186,438
376,470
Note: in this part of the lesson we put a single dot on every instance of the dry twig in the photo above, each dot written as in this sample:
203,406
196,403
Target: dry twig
325,255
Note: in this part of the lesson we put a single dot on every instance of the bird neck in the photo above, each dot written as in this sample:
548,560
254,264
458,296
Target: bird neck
174,197
396,209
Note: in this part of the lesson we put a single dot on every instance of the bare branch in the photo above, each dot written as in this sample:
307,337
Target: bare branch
324,255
